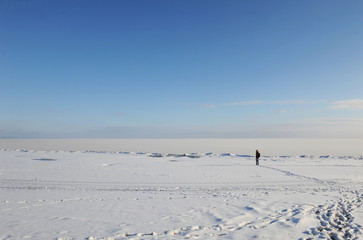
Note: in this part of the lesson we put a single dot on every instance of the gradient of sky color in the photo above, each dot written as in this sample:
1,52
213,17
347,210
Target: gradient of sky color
205,68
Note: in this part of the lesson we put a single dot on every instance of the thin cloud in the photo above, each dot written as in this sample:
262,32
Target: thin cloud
276,102
265,102
209,106
352,105
246,103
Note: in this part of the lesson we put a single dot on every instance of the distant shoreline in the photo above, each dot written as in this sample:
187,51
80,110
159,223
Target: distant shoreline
267,146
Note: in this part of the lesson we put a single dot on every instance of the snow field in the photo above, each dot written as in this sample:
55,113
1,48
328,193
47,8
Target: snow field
124,195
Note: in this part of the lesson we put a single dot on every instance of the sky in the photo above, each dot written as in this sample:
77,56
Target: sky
181,69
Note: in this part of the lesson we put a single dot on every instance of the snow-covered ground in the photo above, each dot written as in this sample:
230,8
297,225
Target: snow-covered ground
131,195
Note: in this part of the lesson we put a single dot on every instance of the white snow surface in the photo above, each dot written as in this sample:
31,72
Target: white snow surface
130,195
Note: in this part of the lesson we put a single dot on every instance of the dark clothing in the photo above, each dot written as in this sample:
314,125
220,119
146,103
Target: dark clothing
257,157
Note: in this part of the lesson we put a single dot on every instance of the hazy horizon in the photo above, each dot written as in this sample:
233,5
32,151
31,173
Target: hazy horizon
267,146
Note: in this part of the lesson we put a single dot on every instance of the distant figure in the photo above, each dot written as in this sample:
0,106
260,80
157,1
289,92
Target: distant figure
257,157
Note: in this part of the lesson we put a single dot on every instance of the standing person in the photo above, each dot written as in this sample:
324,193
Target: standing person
257,157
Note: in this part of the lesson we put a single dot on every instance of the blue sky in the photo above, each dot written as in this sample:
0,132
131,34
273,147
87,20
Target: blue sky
181,68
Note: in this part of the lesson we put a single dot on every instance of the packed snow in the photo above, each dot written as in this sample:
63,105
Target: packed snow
146,195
